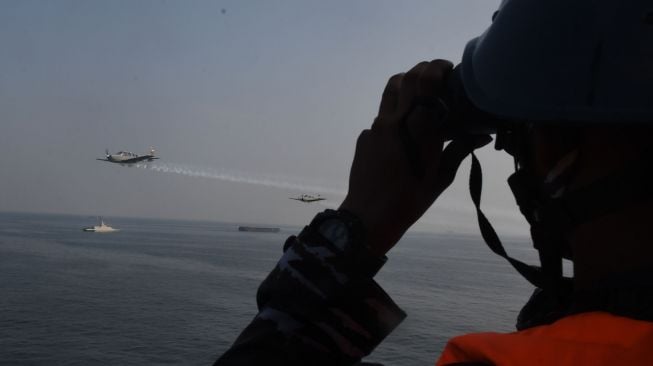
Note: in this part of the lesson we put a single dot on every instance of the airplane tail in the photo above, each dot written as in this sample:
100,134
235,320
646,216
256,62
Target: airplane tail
152,151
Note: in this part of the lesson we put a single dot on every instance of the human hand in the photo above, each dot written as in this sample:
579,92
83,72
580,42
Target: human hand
400,167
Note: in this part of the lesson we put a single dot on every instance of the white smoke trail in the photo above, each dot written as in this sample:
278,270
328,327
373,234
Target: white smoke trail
240,177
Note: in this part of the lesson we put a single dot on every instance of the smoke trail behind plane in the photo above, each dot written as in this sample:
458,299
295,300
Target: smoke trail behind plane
240,177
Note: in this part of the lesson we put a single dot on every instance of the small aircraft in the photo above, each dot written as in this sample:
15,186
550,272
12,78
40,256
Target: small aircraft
126,157
308,198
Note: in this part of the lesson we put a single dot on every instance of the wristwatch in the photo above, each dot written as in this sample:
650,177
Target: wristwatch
343,233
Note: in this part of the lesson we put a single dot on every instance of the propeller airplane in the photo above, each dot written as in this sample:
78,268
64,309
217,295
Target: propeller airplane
128,158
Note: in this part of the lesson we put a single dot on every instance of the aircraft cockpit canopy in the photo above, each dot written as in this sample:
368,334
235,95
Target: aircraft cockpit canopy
126,153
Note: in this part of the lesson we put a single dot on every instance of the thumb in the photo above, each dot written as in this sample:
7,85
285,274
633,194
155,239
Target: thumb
454,154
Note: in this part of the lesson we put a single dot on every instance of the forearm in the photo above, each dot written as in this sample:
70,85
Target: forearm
314,309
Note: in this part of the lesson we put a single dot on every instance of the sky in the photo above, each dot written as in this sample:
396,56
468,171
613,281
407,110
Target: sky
246,102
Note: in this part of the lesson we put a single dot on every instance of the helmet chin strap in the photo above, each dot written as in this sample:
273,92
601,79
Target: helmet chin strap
553,212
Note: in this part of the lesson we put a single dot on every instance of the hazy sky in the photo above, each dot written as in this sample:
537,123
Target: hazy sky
246,102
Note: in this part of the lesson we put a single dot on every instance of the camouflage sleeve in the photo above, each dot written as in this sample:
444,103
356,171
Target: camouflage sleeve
315,309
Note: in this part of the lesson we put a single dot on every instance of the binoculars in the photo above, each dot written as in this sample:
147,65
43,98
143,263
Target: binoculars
462,117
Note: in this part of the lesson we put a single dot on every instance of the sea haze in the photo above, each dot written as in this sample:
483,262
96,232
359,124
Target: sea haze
178,293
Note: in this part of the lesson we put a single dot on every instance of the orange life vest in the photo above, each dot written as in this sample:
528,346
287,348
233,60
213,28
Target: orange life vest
595,338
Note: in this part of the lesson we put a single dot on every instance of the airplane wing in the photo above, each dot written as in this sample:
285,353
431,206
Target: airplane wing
104,160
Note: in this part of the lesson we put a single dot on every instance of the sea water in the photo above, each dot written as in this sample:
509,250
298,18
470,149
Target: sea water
161,292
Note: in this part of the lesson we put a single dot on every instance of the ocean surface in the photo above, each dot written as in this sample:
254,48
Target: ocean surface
162,292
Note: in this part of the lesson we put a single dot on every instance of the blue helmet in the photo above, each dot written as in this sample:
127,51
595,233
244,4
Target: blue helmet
582,60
